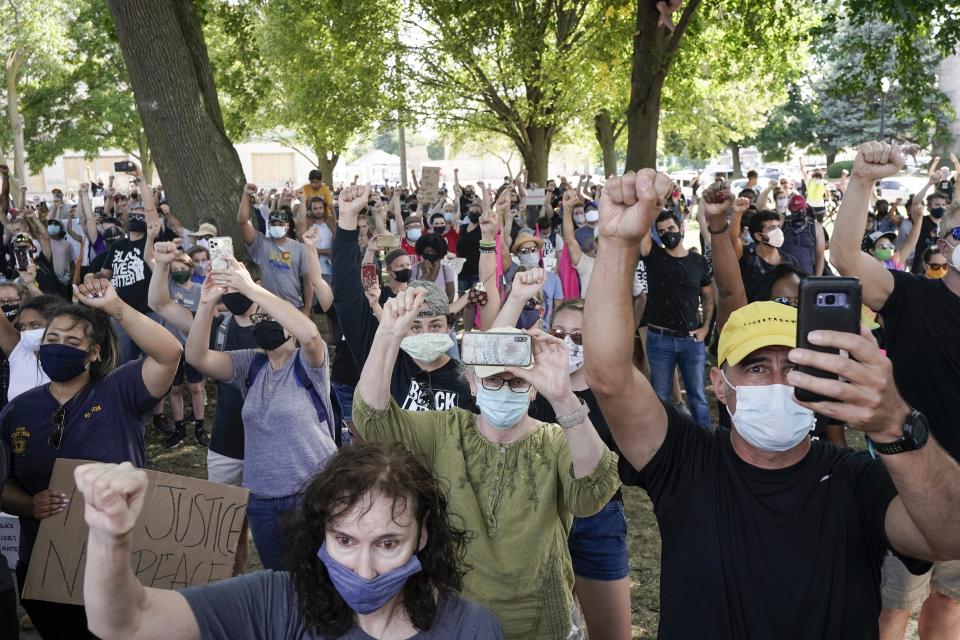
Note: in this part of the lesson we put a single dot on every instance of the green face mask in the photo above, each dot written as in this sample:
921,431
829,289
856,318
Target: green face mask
180,276
883,254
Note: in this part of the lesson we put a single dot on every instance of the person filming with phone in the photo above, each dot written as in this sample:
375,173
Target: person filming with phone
766,533
517,482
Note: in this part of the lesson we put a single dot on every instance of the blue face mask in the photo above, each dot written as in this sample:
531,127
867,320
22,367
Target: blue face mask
362,595
278,231
413,234
503,408
62,362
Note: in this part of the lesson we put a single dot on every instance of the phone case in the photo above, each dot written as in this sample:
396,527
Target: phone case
815,313
368,275
497,349
219,248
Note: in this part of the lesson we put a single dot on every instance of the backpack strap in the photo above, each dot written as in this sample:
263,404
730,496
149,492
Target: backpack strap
304,381
256,365
221,338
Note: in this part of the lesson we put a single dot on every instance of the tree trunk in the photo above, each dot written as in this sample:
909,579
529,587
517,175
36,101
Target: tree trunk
831,157
12,71
402,141
603,128
536,153
735,155
654,49
177,101
326,162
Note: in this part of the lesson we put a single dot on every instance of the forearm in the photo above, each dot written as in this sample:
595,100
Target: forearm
155,341
586,447
158,294
707,303
608,318
487,271
113,596
197,347
509,312
731,292
374,384
285,313
16,501
849,225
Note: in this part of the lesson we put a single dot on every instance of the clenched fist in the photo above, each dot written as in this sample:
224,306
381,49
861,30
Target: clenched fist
877,160
353,199
630,204
113,495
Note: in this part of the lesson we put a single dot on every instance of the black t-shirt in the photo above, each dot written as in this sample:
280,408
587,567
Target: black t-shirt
673,300
130,274
468,247
541,410
761,553
928,237
227,436
343,367
920,319
753,268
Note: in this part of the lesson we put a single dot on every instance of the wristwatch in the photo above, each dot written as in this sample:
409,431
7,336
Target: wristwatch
575,418
916,432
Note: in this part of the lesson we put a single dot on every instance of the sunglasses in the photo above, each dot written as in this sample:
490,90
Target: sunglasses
257,318
790,302
576,336
528,251
938,267
58,419
954,233
517,385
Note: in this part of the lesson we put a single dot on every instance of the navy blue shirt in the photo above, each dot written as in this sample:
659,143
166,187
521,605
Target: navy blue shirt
103,423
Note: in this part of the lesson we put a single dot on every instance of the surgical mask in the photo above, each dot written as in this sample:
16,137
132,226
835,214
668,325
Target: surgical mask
402,275
53,229
236,303
592,216
955,257
448,216
426,347
502,409
268,334
277,231
883,254
529,260
62,362
775,238
414,234
575,360
671,239
180,277
579,218
366,595
768,417
10,310
937,212
782,203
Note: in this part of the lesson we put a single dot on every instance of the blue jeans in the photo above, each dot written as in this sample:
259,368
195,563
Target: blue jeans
598,544
268,519
664,354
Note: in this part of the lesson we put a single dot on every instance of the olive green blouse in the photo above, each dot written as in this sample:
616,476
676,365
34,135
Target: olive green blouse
518,499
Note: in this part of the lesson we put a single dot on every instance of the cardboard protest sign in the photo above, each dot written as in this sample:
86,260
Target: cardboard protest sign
535,197
186,535
430,185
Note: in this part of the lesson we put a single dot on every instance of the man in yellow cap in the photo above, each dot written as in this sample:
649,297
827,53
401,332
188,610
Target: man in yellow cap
766,533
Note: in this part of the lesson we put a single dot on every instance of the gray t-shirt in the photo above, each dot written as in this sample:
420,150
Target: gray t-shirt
281,266
264,606
284,442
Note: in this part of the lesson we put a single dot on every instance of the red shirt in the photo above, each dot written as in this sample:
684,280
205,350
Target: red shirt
451,236
411,249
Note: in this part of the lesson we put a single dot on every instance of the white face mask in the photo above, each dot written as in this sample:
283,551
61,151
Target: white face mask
955,257
768,417
781,204
202,242
592,216
529,260
575,361
579,218
426,347
278,232
775,237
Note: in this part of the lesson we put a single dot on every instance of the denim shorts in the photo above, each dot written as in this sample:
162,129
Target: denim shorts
344,393
598,544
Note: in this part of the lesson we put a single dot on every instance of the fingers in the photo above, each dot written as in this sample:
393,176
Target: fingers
662,184
614,190
49,502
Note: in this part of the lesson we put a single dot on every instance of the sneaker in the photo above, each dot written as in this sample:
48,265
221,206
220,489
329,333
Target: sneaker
26,623
162,426
176,438
202,438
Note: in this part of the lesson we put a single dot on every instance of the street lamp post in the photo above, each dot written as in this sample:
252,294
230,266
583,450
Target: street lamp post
884,88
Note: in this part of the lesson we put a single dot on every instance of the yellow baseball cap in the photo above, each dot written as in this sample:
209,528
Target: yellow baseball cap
755,326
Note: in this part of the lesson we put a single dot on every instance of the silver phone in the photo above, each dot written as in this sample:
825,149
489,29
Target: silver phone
492,348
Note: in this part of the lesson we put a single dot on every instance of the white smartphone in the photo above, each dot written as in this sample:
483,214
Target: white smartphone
492,348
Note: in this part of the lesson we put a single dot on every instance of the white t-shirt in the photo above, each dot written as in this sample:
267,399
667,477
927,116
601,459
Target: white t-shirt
25,370
324,241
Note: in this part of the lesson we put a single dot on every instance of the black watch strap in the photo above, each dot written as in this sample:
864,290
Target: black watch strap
915,435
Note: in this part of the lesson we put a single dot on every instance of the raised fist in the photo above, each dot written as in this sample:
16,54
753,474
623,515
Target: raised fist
250,188
353,199
630,204
163,252
877,160
113,496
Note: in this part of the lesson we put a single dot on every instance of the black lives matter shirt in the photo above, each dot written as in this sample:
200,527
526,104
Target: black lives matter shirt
413,388
759,553
673,300
130,275
920,320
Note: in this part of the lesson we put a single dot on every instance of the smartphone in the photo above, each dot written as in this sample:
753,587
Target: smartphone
21,257
826,303
368,275
219,248
388,241
124,166
492,348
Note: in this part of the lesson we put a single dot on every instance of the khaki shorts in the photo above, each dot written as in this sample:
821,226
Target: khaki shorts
900,589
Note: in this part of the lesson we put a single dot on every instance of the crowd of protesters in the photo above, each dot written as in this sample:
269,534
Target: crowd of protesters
397,492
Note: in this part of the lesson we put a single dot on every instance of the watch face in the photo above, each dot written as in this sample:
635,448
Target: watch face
917,429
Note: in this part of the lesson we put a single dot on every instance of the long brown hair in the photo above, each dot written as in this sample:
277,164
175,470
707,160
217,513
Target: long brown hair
388,470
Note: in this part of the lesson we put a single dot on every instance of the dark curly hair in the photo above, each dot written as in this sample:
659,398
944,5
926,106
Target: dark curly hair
388,470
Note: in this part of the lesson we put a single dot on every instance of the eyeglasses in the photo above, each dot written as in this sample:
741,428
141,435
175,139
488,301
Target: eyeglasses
528,250
257,318
790,302
576,336
938,267
9,300
517,385
58,419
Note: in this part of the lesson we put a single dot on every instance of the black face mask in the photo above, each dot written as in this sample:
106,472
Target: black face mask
431,257
402,275
10,310
936,213
268,334
236,303
137,225
671,239
474,217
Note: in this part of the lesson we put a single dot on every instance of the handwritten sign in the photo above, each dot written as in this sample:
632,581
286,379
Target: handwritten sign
430,185
535,197
186,535
10,538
